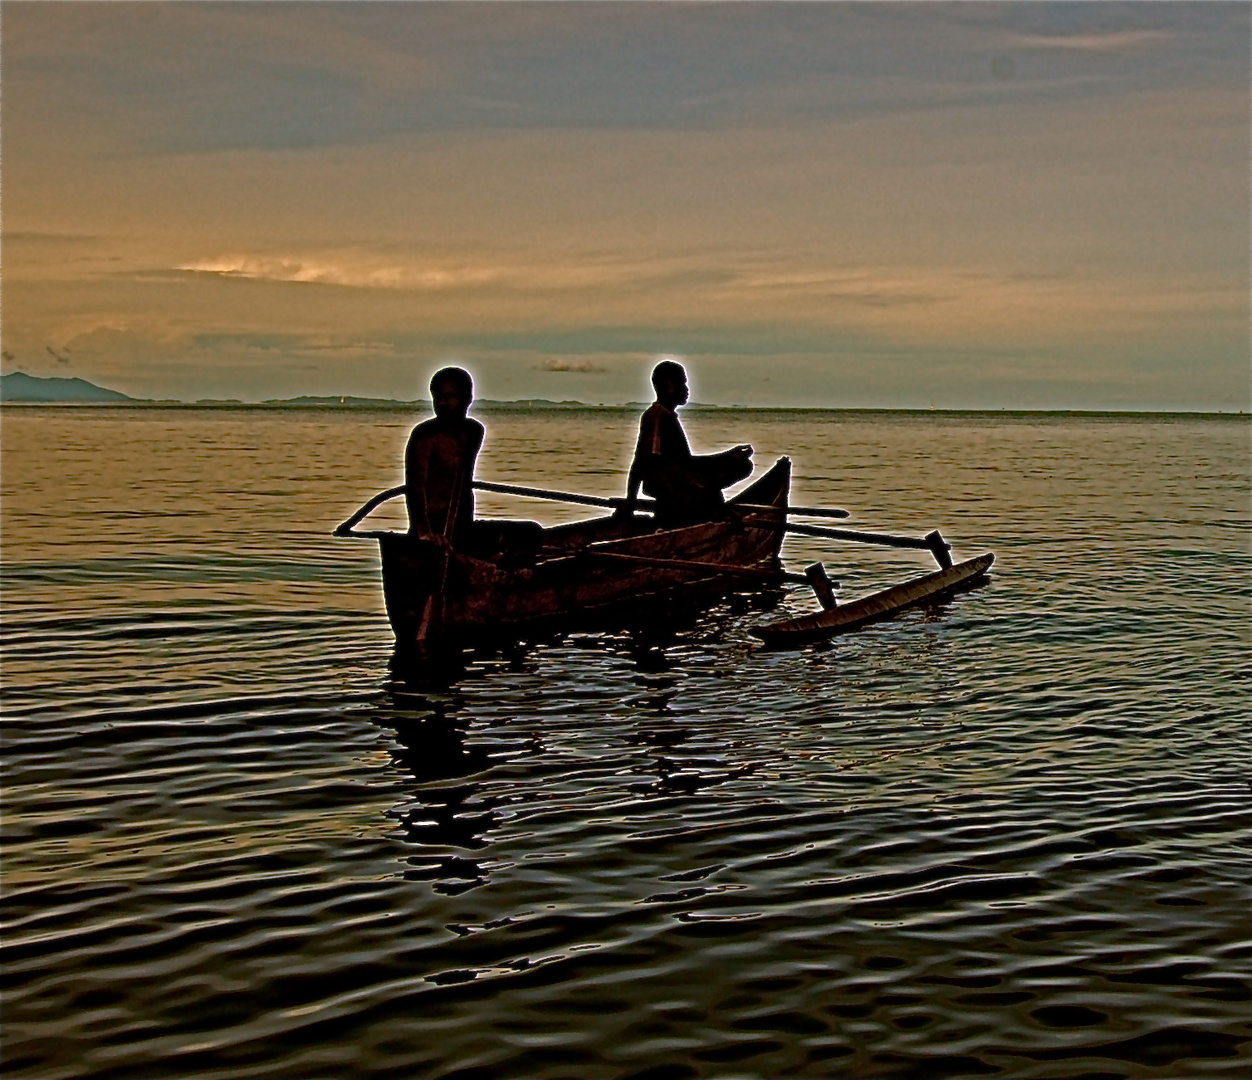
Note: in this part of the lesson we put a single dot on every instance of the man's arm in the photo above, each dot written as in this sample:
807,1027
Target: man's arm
647,445
415,473
632,491
461,509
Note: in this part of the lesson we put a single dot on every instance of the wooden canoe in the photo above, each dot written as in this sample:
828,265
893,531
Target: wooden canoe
588,573
879,605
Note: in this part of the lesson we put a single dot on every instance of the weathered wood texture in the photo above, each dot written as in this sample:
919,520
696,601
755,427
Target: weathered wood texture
572,582
880,605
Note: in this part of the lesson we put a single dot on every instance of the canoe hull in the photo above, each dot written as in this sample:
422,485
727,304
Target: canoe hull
880,605
457,601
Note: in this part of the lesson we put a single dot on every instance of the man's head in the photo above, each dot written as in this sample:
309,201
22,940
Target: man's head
670,382
451,390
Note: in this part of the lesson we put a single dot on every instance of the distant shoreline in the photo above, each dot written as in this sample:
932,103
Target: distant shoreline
26,391
489,406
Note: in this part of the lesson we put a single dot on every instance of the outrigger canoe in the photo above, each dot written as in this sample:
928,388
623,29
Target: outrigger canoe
611,572
586,574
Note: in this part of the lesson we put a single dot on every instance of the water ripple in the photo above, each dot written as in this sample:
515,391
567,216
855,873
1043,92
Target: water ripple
1005,836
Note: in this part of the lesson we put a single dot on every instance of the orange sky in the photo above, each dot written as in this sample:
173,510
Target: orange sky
965,205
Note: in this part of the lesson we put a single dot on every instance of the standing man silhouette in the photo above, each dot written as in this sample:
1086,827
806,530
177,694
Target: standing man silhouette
439,476
439,463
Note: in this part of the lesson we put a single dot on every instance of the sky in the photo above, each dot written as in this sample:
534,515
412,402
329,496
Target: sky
867,205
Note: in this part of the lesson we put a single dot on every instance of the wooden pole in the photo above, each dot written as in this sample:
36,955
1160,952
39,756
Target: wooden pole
583,500
932,541
843,534
346,528
692,564
642,504
941,550
823,587
559,496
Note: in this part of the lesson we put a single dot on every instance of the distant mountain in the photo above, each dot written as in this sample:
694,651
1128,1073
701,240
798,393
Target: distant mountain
22,387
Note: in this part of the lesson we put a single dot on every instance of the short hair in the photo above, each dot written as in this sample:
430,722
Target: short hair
456,375
666,371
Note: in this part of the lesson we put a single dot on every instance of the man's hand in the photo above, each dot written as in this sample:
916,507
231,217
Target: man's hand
438,539
625,511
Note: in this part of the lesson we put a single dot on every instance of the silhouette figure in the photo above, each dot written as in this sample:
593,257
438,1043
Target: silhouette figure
439,474
687,487
439,463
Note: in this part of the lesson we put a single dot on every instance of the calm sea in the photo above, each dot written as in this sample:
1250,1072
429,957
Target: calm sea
1009,837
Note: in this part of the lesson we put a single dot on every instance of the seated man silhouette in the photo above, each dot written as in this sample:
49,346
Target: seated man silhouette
439,473
687,487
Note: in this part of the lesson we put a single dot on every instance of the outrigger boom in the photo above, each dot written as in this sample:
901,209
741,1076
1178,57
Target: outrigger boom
837,619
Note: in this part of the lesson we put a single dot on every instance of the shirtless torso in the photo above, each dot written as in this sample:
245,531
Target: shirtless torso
438,471
687,487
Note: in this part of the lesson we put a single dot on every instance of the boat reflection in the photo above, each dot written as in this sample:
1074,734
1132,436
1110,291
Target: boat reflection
644,632
683,758
444,819
450,761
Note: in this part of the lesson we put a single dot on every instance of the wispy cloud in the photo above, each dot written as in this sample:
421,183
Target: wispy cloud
287,346
320,271
364,270
56,239
1107,42
210,77
581,365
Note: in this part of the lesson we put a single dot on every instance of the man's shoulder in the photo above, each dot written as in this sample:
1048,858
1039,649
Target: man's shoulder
655,413
425,426
434,426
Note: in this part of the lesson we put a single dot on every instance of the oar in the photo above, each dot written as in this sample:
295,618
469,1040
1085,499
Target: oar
641,504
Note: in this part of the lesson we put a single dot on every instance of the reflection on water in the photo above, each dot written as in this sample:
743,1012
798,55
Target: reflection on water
1007,835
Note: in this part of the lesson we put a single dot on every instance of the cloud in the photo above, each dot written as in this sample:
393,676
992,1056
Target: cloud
365,270
33,236
1114,41
317,271
96,333
577,188
194,78
581,365
288,346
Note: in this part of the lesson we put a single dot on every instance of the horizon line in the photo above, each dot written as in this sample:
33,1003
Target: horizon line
390,404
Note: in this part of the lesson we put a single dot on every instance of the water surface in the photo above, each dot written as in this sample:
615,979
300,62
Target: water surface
1009,836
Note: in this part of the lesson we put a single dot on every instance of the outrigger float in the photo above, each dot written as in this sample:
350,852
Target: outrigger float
608,571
